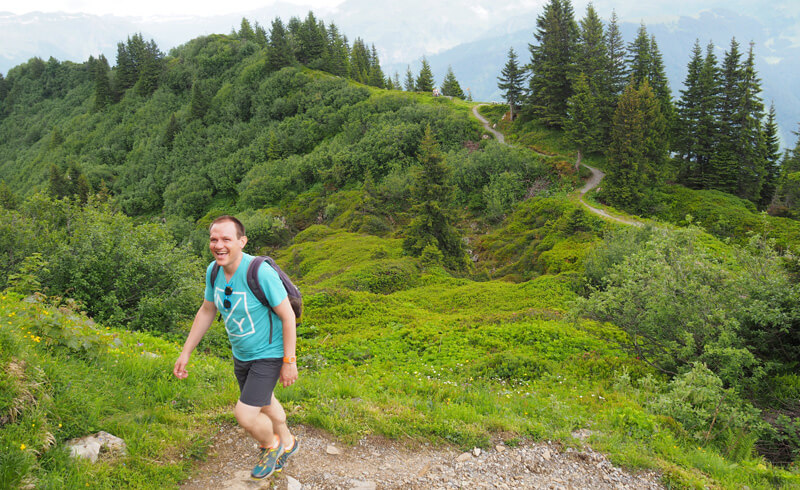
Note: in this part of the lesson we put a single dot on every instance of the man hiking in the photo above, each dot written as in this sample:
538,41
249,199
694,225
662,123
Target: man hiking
262,339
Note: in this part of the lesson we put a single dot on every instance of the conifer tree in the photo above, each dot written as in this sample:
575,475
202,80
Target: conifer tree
151,67
617,70
360,62
450,86
173,128
102,84
639,60
638,148
690,106
660,84
750,141
552,62
787,195
246,32
592,54
3,88
279,50
375,73
511,81
311,41
707,130
396,82
583,126
772,156
199,103
260,35
57,184
338,54
431,224
409,82
424,81
126,73
7,198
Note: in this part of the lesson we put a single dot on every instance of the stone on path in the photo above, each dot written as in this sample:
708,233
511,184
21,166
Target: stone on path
500,448
464,457
476,452
546,455
363,485
292,484
331,449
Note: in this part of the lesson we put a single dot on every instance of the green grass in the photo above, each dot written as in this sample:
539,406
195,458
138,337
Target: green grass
65,377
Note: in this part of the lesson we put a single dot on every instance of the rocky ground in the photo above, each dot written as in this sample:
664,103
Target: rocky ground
378,463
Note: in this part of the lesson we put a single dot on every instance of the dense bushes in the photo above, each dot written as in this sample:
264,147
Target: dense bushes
122,273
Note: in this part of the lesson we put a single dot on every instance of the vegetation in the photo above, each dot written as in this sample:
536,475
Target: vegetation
455,288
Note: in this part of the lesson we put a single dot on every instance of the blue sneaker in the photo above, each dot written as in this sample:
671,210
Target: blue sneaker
266,462
284,458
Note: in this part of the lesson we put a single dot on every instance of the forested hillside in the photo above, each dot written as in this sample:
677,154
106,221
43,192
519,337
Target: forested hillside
456,289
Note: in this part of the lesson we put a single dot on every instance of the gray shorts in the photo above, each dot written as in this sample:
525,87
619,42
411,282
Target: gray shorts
257,379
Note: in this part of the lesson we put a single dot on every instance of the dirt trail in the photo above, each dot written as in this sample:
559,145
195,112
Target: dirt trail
378,463
592,183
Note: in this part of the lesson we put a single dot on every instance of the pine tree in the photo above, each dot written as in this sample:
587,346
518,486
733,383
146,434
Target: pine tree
431,225
424,81
173,128
409,83
396,82
583,126
787,197
375,73
724,163
450,86
360,62
311,40
260,35
639,60
617,68
772,156
592,55
707,130
750,141
510,82
7,198
660,84
689,114
126,73
552,62
279,50
57,184
151,67
246,32
102,84
638,148
199,103
3,89
337,52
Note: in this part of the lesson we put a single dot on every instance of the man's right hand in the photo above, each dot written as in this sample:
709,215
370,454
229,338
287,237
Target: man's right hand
180,367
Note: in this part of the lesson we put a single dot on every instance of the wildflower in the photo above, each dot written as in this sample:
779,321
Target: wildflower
22,447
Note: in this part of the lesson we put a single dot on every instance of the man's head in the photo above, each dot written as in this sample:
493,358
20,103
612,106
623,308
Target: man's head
227,240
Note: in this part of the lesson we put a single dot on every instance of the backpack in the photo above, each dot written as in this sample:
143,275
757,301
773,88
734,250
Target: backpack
295,298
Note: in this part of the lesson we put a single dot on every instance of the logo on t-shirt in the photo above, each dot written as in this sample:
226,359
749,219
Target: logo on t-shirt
238,321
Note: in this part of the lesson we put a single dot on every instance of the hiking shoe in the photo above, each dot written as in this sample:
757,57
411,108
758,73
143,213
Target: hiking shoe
284,458
266,463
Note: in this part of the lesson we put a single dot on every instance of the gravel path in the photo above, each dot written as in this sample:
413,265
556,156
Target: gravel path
378,463
593,181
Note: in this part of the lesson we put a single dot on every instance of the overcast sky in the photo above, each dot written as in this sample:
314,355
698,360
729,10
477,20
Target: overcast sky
150,7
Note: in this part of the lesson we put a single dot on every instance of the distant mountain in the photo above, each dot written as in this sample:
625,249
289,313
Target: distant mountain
478,63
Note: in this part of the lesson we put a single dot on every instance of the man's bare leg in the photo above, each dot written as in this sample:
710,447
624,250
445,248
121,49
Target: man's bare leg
257,423
277,416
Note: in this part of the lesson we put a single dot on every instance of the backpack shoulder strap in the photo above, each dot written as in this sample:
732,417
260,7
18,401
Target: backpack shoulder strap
252,280
214,272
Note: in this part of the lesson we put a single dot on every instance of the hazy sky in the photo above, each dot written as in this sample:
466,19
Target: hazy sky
150,7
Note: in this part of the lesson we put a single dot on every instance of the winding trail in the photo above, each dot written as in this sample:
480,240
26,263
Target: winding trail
593,182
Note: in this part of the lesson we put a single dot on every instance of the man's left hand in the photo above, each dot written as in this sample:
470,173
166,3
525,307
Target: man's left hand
288,374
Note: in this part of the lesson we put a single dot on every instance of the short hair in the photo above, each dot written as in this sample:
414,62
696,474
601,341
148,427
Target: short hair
239,226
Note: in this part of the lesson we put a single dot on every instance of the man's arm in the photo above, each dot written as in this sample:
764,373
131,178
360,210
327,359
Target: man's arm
286,314
202,321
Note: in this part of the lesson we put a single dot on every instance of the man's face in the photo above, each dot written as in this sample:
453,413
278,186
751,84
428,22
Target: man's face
225,245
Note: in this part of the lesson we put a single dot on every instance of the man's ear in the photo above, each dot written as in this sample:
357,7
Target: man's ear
244,241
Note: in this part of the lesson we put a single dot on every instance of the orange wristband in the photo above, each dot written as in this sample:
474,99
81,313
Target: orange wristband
290,359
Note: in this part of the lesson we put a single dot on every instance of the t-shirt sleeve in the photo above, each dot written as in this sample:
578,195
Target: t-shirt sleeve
209,294
271,284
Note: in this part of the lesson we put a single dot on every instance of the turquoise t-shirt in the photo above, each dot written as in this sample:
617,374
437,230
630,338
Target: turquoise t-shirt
247,320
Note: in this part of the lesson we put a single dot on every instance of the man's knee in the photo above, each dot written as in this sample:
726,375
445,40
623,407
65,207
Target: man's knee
275,412
246,415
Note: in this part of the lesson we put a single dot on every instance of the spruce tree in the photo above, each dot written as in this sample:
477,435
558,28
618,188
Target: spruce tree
102,84
616,73
424,81
172,129
750,140
707,130
583,126
592,54
396,82
639,60
409,82
638,148
360,62
772,156
689,112
337,61
787,199
431,224
246,32
3,88
279,50
511,81
660,84
450,86
199,103
552,62
375,73
724,163
311,41
151,67
260,35
125,72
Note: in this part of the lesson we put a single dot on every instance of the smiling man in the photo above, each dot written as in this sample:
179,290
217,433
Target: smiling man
262,339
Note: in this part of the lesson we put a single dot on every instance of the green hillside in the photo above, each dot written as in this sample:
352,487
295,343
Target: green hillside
455,289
